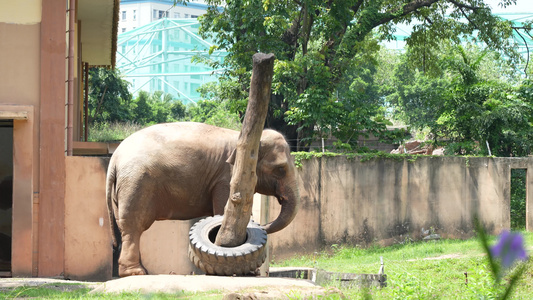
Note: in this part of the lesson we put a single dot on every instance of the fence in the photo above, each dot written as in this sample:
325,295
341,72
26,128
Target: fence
342,201
387,200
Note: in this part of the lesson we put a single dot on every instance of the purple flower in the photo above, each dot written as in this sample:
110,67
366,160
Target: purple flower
509,248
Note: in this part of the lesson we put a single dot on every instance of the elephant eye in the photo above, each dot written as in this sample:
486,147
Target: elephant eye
280,171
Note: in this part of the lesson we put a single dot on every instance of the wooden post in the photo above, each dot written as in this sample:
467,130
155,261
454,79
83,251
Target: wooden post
237,212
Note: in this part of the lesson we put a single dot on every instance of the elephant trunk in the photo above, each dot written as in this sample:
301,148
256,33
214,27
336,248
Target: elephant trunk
289,198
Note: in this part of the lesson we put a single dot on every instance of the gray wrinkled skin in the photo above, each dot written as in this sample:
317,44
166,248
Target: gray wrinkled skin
180,171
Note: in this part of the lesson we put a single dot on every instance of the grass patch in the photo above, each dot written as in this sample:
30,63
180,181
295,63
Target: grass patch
47,291
421,270
66,291
112,132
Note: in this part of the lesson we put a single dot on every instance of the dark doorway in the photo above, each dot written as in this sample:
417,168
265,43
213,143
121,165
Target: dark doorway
6,195
518,199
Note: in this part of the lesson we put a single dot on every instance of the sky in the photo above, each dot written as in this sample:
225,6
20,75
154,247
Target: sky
521,6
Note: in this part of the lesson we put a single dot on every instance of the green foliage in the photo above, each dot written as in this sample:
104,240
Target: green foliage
109,98
228,88
214,113
114,115
518,199
367,156
327,81
465,104
148,109
383,155
110,101
142,110
161,108
301,156
157,108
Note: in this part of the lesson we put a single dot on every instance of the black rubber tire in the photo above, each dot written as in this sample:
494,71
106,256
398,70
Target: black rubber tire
216,260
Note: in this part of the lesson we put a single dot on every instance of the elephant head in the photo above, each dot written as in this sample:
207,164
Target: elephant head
276,175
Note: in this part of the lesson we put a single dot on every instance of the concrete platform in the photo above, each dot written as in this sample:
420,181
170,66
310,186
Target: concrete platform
229,287
196,283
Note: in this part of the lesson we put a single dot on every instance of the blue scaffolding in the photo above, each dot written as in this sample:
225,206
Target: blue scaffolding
158,57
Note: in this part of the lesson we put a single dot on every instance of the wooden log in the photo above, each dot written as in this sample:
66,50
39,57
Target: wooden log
237,212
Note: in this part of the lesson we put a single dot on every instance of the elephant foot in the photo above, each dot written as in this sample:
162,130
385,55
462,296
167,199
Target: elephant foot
125,271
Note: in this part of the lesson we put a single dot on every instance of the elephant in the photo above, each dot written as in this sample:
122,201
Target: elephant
181,171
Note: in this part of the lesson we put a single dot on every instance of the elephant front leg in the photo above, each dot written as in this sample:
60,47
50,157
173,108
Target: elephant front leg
129,262
219,197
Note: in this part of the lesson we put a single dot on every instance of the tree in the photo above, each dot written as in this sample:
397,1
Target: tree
142,111
109,98
461,100
212,112
317,43
157,107
111,102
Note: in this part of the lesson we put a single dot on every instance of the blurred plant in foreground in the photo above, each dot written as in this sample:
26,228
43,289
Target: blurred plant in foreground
506,257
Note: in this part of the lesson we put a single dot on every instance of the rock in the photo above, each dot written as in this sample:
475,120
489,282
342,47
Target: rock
439,151
237,296
416,147
432,237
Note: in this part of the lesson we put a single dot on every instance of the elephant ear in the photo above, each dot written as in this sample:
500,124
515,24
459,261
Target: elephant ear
231,158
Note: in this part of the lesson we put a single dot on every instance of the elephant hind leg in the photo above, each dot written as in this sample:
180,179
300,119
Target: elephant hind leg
129,262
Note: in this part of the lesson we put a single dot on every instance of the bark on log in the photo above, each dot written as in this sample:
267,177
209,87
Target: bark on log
237,212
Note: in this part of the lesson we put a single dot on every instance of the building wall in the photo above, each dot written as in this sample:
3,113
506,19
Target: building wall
349,201
33,60
20,62
20,12
20,52
49,247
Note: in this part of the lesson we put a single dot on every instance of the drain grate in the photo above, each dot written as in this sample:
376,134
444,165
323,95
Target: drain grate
323,277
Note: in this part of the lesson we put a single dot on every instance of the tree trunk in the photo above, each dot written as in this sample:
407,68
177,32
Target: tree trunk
238,209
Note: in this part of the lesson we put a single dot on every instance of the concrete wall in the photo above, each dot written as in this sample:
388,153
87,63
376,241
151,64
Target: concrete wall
386,201
343,200
88,241
88,244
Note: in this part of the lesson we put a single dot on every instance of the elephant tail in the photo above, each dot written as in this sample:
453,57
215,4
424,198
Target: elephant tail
110,197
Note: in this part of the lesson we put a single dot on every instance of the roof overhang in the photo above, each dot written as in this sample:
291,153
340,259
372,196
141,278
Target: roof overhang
99,23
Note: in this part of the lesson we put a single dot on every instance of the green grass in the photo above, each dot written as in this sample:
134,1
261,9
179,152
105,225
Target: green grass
62,291
45,291
111,132
418,270
411,275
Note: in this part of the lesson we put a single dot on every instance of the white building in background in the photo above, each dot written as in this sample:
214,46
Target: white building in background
136,13
156,43
158,56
